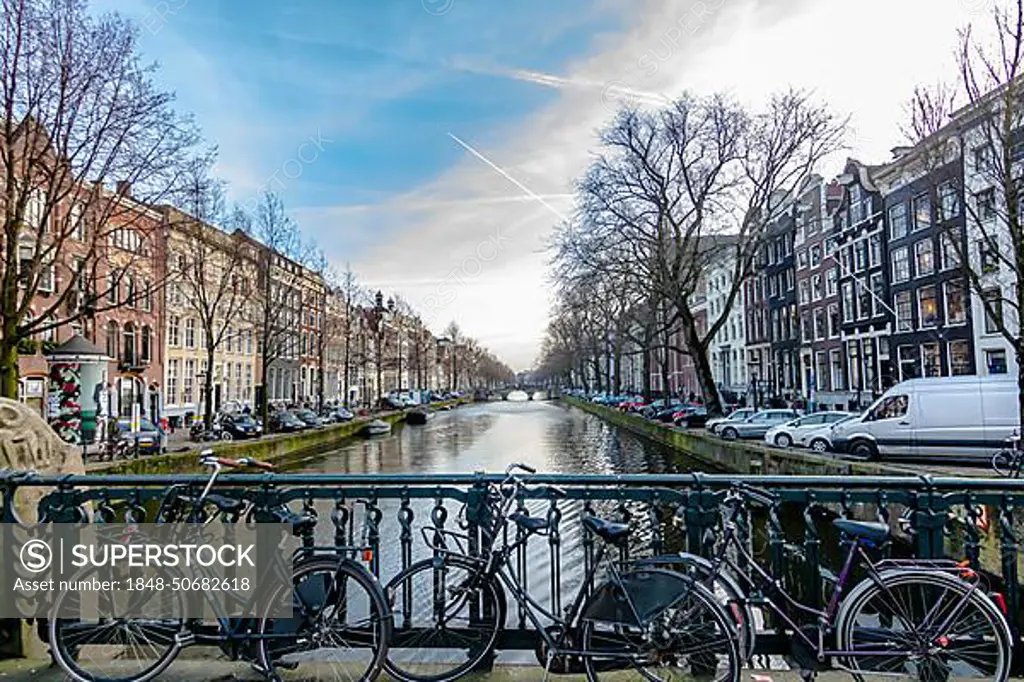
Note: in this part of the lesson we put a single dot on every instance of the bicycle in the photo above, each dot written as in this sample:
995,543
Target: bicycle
340,627
924,619
1009,461
449,609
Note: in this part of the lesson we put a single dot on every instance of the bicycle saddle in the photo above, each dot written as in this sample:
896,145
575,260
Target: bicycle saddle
530,523
610,531
868,530
301,523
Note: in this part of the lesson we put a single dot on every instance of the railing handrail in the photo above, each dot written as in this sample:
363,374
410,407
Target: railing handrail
695,480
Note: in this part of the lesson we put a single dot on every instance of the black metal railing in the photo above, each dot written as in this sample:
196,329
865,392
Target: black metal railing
931,517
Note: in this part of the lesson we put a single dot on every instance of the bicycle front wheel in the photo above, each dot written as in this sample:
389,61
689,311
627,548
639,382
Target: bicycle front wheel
111,649
923,625
690,638
339,629
447,618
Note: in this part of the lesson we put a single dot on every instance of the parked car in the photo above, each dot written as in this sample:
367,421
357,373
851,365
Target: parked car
239,426
340,414
664,414
660,405
310,418
794,432
935,417
820,439
150,437
692,417
284,421
756,425
736,415
633,404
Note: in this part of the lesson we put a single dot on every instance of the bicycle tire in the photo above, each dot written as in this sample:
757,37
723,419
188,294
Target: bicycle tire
305,586
417,631
711,643
923,590
725,588
66,643
1006,463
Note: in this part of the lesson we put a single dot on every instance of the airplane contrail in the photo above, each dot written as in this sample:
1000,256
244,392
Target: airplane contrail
508,177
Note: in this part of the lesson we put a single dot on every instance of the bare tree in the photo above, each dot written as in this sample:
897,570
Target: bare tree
980,128
696,184
81,114
208,272
275,307
454,335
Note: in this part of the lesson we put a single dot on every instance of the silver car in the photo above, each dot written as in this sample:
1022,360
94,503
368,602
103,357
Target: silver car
735,415
756,425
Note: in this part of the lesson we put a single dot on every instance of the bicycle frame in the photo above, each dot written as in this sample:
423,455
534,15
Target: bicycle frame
826,618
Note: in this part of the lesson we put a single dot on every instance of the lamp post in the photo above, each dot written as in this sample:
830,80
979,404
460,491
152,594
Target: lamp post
378,325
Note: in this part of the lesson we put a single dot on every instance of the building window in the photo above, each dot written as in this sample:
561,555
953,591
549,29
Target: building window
983,158
190,333
924,258
878,289
988,250
248,342
900,265
35,207
804,292
146,295
113,339
985,203
853,357
848,302
959,358
845,258
187,393
993,310
821,371
816,292
904,312
864,302
956,303
815,255
805,324
995,361
129,344
76,216
949,201
172,381
930,363
801,260
129,291
950,259
898,221
173,331
819,325
146,344
833,321
906,358
875,250
860,252
927,307
112,285
838,376
922,212
832,282
248,383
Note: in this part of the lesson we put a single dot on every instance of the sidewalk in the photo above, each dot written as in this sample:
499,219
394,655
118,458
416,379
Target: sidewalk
184,670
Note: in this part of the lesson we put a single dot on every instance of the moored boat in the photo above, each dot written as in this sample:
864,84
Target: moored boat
418,416
378,427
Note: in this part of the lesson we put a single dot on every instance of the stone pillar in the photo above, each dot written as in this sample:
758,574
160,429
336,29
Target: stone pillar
28,443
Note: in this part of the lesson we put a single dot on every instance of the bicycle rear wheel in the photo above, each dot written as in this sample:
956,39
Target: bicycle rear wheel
923,625
1006,463
446,619
340,638
691,638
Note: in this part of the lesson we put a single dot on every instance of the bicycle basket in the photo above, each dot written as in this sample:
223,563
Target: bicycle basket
488,518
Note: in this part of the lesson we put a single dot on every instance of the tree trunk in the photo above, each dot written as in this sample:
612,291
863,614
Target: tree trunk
702,365
646,367
208,387
347,362
1020,378
9,363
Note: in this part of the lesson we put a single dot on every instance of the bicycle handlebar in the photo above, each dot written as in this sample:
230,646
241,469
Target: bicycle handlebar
758,495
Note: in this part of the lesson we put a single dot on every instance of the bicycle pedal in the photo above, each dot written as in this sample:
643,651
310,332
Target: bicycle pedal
184,639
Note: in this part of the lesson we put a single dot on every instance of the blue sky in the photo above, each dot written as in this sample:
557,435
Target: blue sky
381,85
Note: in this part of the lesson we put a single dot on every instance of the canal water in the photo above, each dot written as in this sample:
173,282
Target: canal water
488,436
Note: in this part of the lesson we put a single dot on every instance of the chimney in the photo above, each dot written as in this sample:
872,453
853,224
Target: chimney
124,188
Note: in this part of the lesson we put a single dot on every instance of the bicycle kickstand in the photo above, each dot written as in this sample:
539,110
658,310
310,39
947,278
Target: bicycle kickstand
808,675
547,668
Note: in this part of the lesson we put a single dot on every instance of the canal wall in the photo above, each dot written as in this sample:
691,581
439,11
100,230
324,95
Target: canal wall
741,457
284,450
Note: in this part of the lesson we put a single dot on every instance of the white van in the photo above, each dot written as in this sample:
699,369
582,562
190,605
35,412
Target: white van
943,416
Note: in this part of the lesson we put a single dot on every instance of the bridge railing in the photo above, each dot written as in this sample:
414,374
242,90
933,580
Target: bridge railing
974,519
